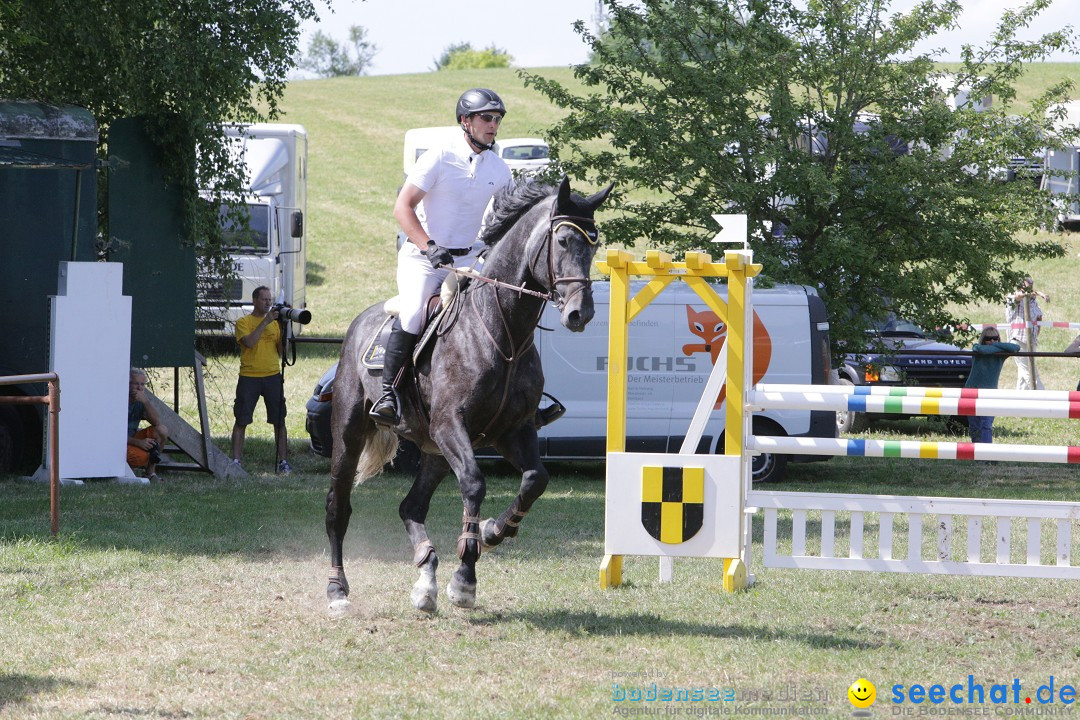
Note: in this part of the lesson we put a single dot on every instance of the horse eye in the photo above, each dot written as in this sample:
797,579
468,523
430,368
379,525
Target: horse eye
562,242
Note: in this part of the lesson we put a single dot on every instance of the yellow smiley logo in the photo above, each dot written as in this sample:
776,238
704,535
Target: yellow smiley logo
862,693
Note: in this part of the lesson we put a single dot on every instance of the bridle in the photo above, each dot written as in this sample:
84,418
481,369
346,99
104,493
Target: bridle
591,235
589,232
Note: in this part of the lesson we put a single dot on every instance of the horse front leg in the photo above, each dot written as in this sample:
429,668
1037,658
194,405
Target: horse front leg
523,452
413,512
459,453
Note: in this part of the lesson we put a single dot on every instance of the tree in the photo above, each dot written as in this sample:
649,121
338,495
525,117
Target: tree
328,58
448,51
856,176
187,67
462,56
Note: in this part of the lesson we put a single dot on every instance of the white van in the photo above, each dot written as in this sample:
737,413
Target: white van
673,346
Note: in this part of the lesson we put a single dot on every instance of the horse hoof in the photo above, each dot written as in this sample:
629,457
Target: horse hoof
340,605
425,595
489,538
462,595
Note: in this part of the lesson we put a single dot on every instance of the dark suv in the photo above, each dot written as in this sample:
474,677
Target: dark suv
900,367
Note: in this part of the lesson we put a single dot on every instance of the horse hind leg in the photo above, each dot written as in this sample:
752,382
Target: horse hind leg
360,451
413,512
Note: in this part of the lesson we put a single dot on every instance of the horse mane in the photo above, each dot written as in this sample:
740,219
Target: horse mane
511,203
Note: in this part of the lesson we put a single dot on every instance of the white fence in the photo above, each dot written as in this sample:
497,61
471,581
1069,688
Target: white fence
973,536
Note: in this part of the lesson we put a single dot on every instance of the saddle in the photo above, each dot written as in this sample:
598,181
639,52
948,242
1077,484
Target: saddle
437,306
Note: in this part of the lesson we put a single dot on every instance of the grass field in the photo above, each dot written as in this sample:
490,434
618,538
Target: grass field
198,598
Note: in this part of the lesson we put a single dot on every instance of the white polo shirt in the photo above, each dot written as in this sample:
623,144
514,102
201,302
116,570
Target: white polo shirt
458,184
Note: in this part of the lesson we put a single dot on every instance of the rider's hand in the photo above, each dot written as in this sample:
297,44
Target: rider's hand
438,256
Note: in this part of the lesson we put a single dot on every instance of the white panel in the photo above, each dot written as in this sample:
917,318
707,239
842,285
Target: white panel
1004,529
667,569
90,349
974,539
828,533
856,548
914,552
1064,541
1034,540
798,533
625,535
885,537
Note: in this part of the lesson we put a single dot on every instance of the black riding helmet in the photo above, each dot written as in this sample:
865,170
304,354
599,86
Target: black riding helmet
478,100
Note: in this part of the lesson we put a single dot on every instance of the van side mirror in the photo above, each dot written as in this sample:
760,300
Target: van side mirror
296,224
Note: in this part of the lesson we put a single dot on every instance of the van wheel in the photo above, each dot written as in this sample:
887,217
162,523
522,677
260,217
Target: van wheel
768,467
848,421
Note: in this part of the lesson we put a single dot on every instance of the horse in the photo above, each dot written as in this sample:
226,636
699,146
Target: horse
478,386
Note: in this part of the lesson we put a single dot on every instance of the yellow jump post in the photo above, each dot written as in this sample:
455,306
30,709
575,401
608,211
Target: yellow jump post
737,268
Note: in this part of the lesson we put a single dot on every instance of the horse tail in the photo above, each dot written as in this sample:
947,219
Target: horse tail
379,449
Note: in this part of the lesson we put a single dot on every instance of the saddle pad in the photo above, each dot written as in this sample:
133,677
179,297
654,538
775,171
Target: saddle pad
372,357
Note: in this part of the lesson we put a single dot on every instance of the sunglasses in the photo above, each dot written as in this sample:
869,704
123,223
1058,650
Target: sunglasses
993,338
488,117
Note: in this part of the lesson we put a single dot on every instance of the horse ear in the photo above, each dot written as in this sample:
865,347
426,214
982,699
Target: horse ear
564,192
595,200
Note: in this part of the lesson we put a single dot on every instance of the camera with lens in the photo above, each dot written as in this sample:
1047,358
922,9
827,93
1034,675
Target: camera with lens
288,313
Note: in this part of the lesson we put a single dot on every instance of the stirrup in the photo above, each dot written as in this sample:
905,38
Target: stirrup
379,411
548,415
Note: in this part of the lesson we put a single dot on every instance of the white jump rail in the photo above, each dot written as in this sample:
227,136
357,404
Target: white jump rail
979,515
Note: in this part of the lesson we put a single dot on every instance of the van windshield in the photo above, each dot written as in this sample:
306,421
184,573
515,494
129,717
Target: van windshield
254,239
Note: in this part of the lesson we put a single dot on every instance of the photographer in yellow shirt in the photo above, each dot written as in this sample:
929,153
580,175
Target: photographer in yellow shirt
259,338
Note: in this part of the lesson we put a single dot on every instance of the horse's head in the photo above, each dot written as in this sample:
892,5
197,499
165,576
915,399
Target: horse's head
574,241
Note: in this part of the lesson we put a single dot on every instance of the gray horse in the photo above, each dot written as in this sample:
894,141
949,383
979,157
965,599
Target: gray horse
479,385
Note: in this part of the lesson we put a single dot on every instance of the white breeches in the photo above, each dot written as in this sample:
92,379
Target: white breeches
417,281
1025,378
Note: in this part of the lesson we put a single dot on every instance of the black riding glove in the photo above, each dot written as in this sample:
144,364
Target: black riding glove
438,256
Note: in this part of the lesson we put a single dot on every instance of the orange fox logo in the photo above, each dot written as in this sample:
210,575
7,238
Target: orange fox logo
712,330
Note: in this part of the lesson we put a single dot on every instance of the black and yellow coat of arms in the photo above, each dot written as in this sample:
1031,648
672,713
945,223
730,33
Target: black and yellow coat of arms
672,502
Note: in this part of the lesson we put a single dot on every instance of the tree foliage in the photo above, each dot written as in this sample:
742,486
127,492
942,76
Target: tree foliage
462,56
187,67
817,121
327,57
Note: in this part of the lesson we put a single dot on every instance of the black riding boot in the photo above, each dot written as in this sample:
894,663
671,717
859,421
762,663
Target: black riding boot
396,355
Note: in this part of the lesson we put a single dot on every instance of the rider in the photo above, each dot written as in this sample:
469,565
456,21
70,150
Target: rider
455,184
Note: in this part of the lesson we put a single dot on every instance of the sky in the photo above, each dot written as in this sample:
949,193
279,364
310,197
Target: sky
410,34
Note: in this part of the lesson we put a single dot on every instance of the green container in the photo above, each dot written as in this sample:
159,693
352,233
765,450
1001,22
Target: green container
48,213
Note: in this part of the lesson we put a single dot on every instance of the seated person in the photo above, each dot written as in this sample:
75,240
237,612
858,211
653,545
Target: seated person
143,446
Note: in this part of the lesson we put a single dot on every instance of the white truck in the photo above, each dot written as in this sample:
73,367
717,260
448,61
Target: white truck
272,251
1061,176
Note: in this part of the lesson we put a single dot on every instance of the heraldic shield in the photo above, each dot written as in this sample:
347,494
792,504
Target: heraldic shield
672,502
